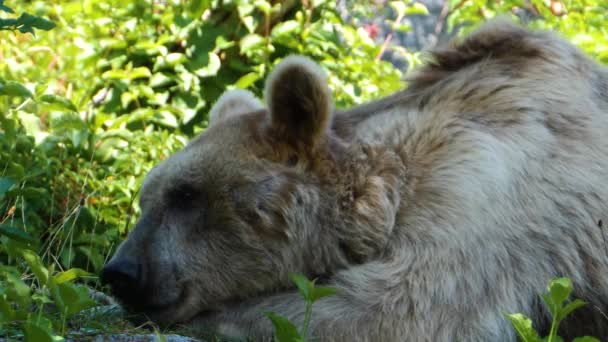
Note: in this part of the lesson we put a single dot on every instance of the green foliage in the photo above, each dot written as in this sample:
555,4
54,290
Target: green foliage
557,300
89,107
286,331
25,23
582,22
56,291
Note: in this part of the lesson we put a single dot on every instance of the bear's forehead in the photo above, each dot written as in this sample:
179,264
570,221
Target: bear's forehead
235,131
227,151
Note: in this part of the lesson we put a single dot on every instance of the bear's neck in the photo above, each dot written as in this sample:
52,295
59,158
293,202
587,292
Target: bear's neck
367,184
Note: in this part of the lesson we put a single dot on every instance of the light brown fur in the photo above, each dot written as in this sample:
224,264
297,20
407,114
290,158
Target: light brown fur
433,211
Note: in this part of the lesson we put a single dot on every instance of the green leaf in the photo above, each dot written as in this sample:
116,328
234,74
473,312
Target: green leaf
114,75
251,42
6,184
160,80
263,6
285,28
567,310
175,58
247,80
44,327
211,68
70,275
304,285
141,72
553,307
160,337
559,289
284,330
36,265
58,102
93,255
16,171
402,27
5,8
28,20
41,298
320,292
586,339
31,124
17,290
523,327
221,43
7,313
416,9
11,88
399,7
17,234
34,332
165,118
72,298
196,8
245,8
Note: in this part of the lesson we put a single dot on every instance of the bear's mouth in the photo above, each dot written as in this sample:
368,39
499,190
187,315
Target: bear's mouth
146,307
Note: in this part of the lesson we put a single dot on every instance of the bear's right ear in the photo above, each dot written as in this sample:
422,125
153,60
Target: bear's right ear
231,103
299,101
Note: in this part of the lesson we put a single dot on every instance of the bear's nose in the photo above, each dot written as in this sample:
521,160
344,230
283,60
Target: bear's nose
123,276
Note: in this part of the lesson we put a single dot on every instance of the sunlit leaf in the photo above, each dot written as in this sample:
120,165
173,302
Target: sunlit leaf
69,275
16,234
285,28
36,265
284,330
559,289
320,292
5,8
247,80
34,332
523,327
304,285
211,69
11,88
58,102
416,8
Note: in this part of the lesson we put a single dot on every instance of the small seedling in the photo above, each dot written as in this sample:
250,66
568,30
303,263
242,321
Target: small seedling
557,299
286,331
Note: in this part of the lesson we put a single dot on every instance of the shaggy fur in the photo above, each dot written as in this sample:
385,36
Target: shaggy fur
433,211
234,102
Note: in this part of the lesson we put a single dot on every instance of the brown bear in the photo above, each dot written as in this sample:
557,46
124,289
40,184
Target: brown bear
433,211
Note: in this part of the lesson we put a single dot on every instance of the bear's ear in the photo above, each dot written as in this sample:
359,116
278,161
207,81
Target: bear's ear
299,101
232,103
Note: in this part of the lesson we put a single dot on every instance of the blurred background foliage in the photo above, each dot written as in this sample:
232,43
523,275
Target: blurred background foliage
94,93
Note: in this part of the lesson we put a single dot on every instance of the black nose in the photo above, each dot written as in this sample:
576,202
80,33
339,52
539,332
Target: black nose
124,278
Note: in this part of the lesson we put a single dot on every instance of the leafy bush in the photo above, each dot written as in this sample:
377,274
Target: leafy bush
583,22
92,105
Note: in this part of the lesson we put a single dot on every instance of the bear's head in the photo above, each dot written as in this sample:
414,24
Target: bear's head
263,192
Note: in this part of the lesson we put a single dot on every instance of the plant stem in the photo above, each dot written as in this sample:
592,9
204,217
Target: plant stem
306,319
64,317
553,330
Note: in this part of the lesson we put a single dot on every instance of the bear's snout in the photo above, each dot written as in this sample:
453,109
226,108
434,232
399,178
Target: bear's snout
124,277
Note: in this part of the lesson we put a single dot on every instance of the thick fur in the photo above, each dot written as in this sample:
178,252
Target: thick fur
233,102
433,211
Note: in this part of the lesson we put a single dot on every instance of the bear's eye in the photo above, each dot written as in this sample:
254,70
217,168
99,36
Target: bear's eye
182,196
292,160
